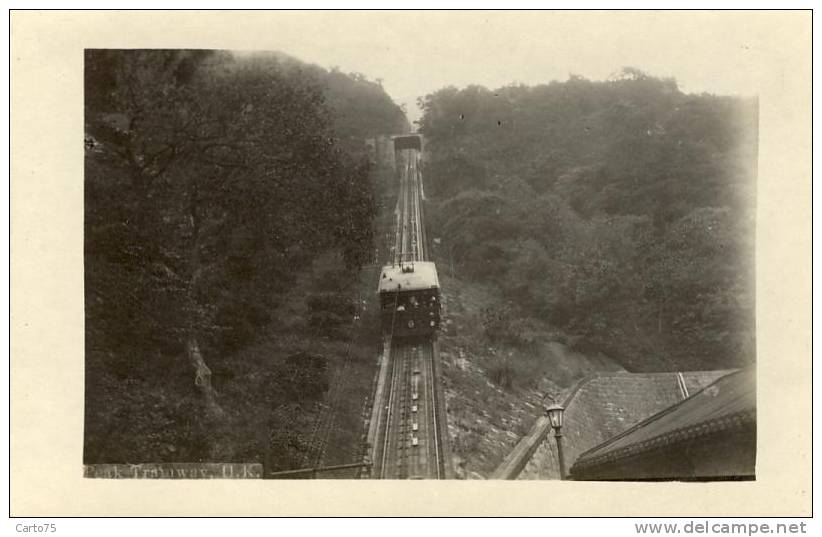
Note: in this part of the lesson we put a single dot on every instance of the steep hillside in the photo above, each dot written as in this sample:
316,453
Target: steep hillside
617,216
494,390
229,206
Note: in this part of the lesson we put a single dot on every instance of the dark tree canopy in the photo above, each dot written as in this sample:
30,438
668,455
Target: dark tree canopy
212,182
621,212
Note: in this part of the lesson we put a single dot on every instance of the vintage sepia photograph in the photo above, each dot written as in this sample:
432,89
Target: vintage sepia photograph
546,249
289,273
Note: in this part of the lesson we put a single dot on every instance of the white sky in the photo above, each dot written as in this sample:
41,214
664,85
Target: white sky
418,52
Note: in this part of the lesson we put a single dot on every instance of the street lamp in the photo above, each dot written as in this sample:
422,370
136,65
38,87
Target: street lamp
555,415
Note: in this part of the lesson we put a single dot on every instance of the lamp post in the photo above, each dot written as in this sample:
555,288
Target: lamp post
555,414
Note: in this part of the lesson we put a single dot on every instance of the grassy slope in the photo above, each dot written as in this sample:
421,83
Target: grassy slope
485,420
155,419
352,366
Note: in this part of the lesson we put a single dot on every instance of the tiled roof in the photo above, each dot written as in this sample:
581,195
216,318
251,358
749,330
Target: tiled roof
730,402
598,408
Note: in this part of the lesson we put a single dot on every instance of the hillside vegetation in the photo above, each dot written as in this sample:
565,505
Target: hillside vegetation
228,206
617,217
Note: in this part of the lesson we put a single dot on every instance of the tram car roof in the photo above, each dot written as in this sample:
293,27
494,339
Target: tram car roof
424,276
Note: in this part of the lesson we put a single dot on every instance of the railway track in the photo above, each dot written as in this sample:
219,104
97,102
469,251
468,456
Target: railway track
408,443
410,439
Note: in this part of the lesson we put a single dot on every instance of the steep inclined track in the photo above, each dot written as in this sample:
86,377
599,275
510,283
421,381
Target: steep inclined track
410,437
408,443
409,242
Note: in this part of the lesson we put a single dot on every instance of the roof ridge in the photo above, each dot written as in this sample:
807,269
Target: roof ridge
661,373
578,386
584,381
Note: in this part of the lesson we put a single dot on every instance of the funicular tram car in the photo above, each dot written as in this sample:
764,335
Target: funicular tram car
410,299
407,141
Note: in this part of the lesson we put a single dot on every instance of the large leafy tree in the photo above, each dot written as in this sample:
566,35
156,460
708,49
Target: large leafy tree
209,183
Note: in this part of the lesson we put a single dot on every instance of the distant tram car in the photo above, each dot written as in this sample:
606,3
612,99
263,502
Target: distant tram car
408,141
410,299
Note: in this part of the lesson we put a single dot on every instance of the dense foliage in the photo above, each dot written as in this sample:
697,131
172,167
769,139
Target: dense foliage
212,183
618,214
